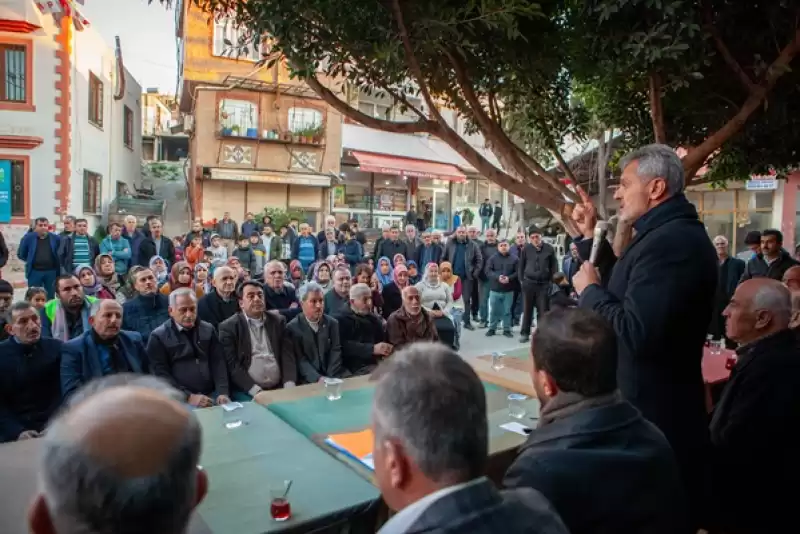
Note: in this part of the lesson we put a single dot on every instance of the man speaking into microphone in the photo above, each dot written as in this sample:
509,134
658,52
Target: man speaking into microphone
658,295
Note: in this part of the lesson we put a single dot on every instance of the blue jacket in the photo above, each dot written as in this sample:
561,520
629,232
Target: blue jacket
120,250
136,241
27,249
30,386
80,359
296,250
145,313
352,251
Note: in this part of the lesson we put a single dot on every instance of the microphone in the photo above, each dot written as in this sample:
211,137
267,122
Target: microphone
600,232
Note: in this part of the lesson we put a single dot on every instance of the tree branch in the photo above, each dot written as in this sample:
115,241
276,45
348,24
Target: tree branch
656,108
345,109
412,61
725,52
697,157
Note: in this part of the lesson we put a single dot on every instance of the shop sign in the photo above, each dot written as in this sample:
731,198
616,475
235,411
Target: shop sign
236,175
762,184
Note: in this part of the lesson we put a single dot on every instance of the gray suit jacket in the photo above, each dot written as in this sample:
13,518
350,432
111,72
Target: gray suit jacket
481,509
319,354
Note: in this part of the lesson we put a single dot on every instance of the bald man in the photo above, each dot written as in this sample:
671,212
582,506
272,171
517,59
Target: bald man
730,271
221,303
137,449
791,278
753,427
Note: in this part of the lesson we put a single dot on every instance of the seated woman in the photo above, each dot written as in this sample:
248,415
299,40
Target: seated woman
181,276
453,280
413,272
437,299
411,322
322,275
364,275
159,268
202,283
392,297
384,272
107,276
398,259
296,276
90,283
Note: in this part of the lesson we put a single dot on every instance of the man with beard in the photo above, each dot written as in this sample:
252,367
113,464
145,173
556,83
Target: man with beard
198,230
394,245
364,341
467,261
67,316
221,303
488,249
658,297
537,265
187,353
30,376
385,236
256,346
104,350
149,308
279,296
78,248
156,245
411,323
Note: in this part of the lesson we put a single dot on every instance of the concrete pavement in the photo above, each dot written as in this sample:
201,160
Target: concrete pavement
475,343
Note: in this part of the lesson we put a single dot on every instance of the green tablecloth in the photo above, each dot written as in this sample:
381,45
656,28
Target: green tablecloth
242,462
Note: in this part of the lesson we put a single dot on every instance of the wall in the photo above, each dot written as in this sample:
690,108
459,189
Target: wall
126,162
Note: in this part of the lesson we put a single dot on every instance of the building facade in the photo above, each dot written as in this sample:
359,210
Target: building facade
70,134
163,138
258,139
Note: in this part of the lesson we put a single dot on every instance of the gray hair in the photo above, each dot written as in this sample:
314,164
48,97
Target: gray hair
450,443
173,297
308,288
220,270
657,161
85,495
359,290
722,237
411,227
125,379
775,298
94,309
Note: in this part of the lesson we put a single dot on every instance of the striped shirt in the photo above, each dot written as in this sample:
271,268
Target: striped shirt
81,253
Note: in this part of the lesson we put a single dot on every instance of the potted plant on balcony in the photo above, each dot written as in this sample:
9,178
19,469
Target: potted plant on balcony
235,129
296,136
309,134
318,134
226,131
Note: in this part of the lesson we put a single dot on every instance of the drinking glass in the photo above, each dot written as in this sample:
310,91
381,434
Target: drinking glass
333,388
516,405
279,507
717,346
232,415
497,361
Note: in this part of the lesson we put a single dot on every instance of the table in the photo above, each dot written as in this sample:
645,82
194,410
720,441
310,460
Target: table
239,463
307,410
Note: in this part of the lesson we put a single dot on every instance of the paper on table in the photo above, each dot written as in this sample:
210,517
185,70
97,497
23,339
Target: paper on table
517,428
357,445
231,406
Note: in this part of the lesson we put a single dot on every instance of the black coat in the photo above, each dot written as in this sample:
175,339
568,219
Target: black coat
192,360
234,334
480,509
537,266
391,248
754,439
359,334
606,470
30,386
757,267
213,310
282,302
66,252
318,354
658,299
730,271
148,250
3,251
392,299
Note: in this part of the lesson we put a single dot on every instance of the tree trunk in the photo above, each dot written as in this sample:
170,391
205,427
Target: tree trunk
656,109
603,154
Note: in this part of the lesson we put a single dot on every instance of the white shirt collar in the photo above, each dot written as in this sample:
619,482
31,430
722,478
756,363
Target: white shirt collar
405,518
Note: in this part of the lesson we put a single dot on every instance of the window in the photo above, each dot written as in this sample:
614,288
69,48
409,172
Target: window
127,133
15,194
92,192
95,100
733,213
232,42
237,116
13,69
303,118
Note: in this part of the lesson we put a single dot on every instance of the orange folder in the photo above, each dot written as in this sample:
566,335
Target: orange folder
359,444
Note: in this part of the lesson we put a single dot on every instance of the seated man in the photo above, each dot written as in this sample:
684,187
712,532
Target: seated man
603,466
221,303
186,352
430,468
257,348
6,297
104,350
148,309
361,332
752,427
339,296
30,376
315,339
66,316
411,322
148,480
278,296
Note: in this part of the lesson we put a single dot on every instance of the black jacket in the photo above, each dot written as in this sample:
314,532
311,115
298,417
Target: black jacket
479,508
754,438
537,266
213,310
145,313
487,251
234,334
436,255
282,302
66,252
30,386
756,267
392,299
606,470
499,265
391,248
473,258
318,354
247,258
730,272
148,250
191,360
658,299
359,334
3,251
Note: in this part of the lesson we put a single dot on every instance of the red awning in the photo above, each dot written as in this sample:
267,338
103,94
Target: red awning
407,167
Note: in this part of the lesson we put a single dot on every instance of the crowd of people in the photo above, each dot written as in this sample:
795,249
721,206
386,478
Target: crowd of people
624,442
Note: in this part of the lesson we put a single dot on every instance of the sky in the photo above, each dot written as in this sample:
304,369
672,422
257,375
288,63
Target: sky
147,35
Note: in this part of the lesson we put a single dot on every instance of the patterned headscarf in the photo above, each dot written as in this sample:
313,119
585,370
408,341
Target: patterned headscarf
397,270
387,278
88,290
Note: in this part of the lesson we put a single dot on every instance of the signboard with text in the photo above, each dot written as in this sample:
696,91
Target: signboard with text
5,191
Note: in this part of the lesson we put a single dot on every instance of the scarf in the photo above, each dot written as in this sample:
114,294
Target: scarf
384,279
413,279
567,403
173,277
89,290
161,277
60,327
399,269
400,257
453,277
315,276
206,283
110,282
